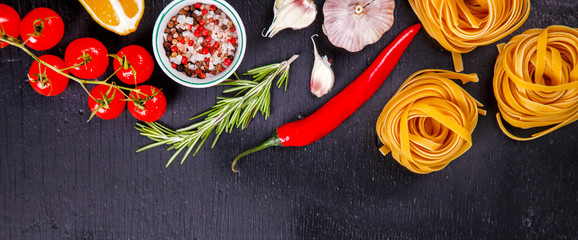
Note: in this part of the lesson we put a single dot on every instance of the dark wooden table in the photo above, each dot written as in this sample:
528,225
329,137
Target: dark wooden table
64,178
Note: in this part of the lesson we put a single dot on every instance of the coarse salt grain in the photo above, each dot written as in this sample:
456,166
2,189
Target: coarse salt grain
181,19
189,20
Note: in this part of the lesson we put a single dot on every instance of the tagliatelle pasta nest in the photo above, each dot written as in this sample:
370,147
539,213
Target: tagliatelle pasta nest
462,25
429,121
536,80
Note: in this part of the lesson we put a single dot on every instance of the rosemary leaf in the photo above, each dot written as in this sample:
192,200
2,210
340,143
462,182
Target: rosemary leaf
251,97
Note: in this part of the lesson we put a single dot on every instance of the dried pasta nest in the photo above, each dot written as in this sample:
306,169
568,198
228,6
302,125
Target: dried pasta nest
536,80
429,121
461,26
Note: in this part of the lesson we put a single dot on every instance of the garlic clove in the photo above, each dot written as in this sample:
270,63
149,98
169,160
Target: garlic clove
322,77
295,14
354,24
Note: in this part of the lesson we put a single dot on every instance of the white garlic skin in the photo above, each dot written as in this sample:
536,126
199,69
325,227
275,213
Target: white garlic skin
322,77
295,14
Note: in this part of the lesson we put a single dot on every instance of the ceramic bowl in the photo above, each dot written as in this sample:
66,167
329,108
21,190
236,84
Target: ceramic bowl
172,10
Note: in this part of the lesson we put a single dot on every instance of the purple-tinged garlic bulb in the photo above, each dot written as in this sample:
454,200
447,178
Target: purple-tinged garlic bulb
354,24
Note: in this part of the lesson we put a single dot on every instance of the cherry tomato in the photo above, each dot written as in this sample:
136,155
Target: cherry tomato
51,83
90,50
139,67
151,107
9,22
106,102
42,28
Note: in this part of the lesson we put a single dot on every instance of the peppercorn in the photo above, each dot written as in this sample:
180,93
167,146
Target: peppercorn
227,61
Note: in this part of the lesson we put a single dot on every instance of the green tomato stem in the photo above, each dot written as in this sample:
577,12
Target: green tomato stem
15,42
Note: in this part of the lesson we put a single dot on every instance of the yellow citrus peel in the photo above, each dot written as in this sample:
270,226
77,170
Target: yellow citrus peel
119,16
536,80
429,121
462,25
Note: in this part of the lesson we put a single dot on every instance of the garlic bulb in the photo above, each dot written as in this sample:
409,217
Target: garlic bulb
322,77
295,14
354,24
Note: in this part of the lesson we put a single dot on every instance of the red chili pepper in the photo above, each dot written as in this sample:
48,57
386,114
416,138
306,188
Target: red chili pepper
340,107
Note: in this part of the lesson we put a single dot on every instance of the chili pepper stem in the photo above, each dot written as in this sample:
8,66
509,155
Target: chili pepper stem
343,105
273,141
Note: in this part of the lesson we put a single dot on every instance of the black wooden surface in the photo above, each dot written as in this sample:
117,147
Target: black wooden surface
64,178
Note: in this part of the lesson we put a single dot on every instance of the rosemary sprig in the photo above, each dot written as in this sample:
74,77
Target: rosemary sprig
251,96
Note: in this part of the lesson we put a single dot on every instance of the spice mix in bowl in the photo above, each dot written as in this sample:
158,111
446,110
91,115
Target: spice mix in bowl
199,43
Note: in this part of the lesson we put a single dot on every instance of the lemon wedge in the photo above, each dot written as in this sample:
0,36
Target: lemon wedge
119,16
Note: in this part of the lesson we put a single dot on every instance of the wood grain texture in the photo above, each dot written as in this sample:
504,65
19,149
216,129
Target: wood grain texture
64,178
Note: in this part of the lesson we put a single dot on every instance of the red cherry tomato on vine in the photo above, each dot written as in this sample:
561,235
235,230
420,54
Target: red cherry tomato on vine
139,65
106,102
41,28
9,22
51,83
151,107
88,50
